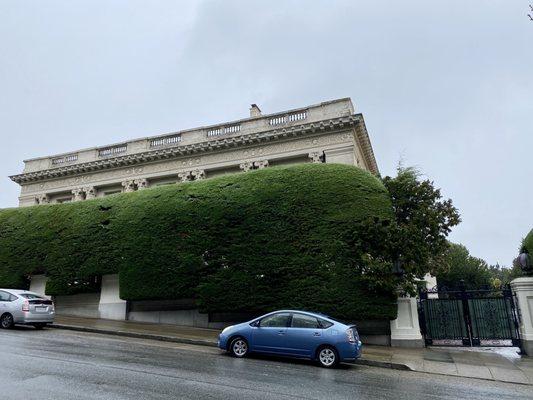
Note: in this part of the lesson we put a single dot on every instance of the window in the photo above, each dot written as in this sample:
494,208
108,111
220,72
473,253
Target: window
31,296
275,321
5,296
325,324
304,321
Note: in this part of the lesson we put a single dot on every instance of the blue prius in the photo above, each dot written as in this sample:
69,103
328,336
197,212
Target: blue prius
293,333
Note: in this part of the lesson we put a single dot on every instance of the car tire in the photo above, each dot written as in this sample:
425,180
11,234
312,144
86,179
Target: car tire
327,357
6,321
39,326
239,347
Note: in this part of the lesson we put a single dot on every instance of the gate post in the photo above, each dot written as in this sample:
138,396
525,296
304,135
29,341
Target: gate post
405,330
523,288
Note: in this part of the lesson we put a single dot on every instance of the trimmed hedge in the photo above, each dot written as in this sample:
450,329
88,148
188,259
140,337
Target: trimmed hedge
253,242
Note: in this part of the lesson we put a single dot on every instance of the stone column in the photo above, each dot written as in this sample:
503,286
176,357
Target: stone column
405,330
90,192
141,183
111,306
523,289
128,186
79,194
38,284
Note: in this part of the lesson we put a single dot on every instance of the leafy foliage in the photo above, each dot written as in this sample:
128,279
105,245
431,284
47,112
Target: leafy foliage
527,243
299,237
417,237
463,268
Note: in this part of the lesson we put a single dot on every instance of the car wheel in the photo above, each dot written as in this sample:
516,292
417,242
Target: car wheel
327,357
39,326
239,347
6,321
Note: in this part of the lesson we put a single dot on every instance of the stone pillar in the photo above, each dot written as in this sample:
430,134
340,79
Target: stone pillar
90,192
141,183
128,186
523,289
38,284
78,194
111,306
405,330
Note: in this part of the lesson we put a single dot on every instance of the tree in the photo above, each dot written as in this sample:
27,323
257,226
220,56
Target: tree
414,243
461,267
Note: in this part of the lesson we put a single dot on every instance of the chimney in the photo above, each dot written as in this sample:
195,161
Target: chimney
255,111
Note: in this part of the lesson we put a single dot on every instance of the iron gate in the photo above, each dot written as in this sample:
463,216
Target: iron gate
469,317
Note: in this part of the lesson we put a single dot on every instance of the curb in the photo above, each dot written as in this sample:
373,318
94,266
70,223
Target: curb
136,335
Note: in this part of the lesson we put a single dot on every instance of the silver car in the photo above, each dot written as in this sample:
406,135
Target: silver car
24,307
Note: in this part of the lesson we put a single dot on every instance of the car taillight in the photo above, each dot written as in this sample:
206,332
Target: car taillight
26,306
350,335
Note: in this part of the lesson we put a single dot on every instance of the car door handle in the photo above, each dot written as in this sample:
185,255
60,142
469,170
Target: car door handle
316,334
281,332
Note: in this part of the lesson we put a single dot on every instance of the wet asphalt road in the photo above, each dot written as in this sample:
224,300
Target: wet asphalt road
54,364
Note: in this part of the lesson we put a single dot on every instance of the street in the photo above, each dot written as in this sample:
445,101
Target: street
54,364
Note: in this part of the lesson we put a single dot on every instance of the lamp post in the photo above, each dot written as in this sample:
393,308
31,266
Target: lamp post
524,262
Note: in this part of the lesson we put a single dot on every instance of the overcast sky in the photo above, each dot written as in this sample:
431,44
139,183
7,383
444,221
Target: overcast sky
444,86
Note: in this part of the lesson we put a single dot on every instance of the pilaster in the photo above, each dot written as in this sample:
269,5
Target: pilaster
523,289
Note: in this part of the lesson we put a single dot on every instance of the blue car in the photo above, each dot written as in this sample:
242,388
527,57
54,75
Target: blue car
295,334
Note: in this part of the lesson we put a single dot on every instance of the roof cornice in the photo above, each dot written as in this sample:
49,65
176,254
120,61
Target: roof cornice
208,146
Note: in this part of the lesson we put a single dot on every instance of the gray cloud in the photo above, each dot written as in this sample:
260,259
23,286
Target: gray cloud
447,88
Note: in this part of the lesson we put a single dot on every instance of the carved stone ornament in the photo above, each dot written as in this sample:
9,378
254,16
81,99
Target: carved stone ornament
141,183
128,186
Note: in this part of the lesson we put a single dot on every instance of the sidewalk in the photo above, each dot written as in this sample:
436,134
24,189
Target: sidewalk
498,364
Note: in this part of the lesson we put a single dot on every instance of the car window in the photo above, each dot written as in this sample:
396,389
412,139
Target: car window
4,296
304,321
325,324
31,296
13,297
275,321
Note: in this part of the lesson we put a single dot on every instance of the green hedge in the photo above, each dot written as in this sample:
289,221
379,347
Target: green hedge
252,242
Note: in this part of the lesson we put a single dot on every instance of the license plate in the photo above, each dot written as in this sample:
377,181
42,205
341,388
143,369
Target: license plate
40,309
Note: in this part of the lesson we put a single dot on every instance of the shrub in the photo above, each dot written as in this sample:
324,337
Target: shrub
273,238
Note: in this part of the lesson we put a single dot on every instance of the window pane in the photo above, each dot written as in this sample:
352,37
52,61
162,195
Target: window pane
275,321
4,296
304,321
325,324
31,296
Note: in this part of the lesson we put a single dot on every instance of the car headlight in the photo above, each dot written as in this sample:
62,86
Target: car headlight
227,329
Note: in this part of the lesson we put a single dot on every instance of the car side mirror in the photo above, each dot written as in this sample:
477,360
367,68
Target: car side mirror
255,324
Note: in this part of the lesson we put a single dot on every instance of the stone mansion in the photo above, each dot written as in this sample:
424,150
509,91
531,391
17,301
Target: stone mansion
327,132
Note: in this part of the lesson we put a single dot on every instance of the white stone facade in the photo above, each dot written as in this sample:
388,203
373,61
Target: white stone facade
327,132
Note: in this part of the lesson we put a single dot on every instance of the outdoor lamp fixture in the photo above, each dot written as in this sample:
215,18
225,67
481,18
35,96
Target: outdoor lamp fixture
524,262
